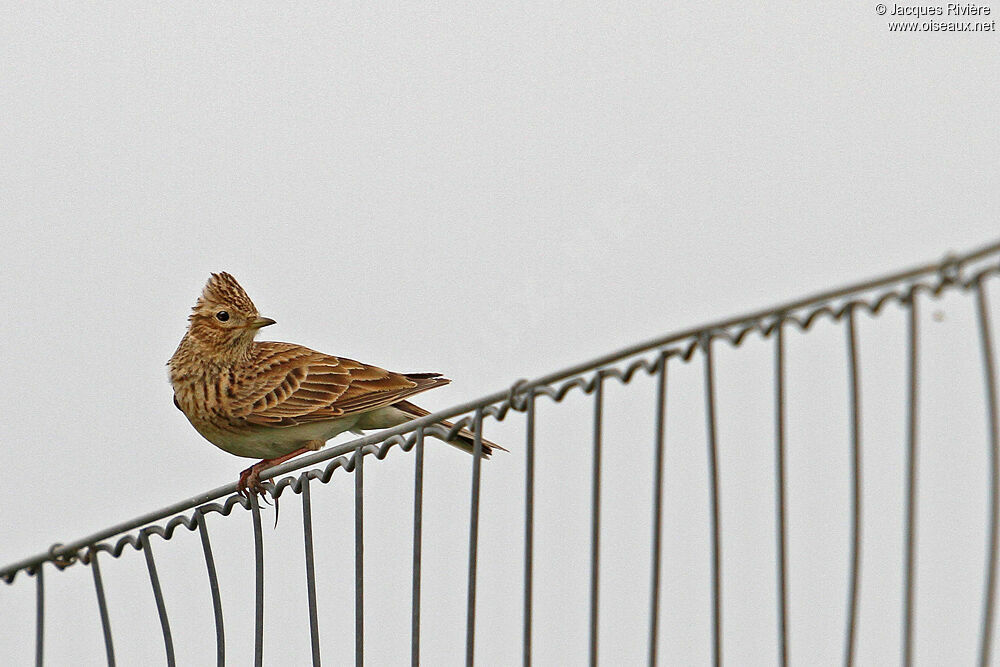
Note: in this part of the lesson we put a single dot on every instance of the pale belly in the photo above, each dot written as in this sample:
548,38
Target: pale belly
263,442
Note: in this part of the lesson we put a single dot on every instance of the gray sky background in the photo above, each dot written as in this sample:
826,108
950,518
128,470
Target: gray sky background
488,192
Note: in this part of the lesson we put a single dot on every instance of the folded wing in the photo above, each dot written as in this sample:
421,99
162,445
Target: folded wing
291,385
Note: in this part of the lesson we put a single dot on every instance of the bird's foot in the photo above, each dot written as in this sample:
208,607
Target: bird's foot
250,482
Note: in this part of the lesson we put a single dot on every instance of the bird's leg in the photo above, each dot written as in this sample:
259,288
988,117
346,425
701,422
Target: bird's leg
250,478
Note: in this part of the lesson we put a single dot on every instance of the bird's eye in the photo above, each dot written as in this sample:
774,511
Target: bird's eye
222,316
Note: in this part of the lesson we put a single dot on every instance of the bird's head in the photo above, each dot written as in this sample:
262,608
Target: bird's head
224,318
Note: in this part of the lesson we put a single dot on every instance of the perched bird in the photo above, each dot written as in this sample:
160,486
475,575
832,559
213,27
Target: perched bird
274,401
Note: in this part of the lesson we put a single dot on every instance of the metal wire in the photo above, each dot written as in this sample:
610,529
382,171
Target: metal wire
779,486
529,524
307,538
102,607
418,524
713,480
909,575
470,613
658,440
589,377
855,407
39,614
993,423
161,608
595,520
213,586
359,557
258,559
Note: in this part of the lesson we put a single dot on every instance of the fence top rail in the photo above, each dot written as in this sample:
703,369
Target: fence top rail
949,271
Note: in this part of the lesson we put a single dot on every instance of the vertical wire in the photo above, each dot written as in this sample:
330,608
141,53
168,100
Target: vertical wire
307,538
713,477
418,527
161,609
654,577
989,371
39,614
213,585
779,500
258,554
470,612
529,523
911,479
855,398
595,520
102,607
359,557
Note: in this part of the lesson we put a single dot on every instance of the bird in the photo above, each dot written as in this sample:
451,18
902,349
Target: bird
274,401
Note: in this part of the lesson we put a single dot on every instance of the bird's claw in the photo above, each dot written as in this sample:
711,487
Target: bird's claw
250,483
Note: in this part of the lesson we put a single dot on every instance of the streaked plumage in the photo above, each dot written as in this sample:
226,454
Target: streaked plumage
272,400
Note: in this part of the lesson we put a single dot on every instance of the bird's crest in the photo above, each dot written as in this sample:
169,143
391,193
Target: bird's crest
223,290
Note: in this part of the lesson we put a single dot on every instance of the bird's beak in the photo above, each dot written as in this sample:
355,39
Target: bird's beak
260,322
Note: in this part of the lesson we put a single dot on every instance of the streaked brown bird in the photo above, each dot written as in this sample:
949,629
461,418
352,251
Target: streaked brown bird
274,401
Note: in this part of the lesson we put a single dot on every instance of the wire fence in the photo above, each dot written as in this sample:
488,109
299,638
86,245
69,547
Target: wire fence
967,276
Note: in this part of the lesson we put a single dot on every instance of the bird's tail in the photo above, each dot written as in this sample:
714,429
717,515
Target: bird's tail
464,439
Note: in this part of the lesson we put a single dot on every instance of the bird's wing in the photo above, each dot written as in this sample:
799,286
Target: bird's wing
290,384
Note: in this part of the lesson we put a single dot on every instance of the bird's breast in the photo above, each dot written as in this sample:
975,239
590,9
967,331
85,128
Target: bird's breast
204,396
